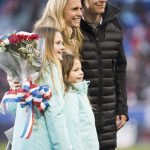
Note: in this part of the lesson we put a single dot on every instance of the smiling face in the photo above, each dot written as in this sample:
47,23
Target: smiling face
76,74
58,45
73,13
95,6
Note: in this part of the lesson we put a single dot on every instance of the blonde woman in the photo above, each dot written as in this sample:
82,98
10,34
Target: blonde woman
65,15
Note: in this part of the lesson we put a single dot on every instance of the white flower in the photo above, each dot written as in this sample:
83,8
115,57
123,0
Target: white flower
6,41
24,33
2,44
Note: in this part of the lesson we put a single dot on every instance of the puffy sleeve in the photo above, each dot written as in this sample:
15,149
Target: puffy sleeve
120,78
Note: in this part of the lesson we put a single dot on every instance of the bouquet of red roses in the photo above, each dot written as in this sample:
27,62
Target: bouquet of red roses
21,58
19,55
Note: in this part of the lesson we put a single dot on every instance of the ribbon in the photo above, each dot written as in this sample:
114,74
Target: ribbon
28,96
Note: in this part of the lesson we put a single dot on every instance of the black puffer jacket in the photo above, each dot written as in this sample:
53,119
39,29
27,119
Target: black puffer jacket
104,64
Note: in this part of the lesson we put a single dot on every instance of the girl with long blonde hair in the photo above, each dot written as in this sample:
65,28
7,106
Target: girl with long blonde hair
50,128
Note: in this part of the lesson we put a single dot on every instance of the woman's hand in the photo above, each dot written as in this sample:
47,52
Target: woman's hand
120,121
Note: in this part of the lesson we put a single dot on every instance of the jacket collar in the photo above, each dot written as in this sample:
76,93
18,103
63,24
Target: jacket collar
110,12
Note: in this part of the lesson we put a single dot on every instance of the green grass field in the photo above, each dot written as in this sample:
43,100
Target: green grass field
2,146
137,147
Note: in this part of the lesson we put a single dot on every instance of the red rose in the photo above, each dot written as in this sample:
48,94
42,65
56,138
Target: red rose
14,39
33,37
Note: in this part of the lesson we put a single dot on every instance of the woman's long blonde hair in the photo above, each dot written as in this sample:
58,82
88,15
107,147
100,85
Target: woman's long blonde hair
50,57
53,16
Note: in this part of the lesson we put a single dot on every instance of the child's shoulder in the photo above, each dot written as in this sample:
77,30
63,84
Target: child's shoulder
80,87
50,65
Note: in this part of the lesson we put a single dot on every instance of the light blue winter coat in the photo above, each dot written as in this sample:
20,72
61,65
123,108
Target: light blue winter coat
80,118
49,131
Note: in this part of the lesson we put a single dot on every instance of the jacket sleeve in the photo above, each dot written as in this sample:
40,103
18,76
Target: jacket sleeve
56,125
120,78
10,106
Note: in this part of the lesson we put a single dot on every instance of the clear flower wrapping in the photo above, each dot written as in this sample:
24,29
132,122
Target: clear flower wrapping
21,58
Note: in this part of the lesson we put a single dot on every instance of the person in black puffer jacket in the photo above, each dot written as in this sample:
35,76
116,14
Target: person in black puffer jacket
104,64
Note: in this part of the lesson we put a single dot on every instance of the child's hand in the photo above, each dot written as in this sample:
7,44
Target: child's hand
14,84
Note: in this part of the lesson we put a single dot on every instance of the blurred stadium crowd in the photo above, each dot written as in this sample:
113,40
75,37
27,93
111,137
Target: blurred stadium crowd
16,15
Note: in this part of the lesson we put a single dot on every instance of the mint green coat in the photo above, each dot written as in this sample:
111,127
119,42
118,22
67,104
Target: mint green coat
49,131
80,118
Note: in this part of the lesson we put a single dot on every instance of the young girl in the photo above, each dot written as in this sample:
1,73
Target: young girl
78,111
50,129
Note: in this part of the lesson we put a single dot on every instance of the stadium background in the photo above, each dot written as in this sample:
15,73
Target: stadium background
17,15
